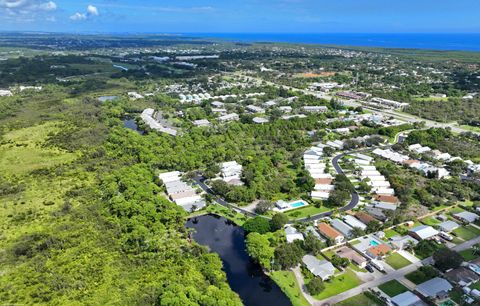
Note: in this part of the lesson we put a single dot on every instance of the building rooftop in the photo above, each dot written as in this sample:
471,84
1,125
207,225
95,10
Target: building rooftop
321,268
434,287
328,231
379,250
407,298
424,231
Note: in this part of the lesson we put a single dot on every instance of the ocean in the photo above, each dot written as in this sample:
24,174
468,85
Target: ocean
463,42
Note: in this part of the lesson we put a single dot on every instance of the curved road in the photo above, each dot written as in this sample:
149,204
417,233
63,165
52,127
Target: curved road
200,180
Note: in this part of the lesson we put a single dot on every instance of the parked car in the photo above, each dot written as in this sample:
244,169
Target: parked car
369,268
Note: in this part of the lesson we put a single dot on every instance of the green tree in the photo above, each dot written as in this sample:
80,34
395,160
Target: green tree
288,255
278,221
315,286
446,259
257,225
258,247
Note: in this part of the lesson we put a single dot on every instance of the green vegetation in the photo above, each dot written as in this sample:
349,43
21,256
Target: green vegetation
397,261
287,282
362,299
305,212
391,233
423,274
257,224
339,284
471,253
467,232
446,259
393,288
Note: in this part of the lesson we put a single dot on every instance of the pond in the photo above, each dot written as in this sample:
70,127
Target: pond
245,277
131,124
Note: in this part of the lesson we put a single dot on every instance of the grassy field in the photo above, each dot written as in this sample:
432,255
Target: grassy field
390,233
339,284
431,221
397,261
306,212
287,282
217,209
467,232
469,255
359,300
23,150
393,288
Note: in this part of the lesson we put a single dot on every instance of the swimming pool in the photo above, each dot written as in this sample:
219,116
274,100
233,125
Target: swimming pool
297,204
373,243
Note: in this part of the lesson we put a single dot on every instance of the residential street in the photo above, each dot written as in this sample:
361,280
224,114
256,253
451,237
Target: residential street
398,274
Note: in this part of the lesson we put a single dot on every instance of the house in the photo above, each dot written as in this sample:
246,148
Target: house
384,191
330,233
423,232
407,298
448,226
346,252
320,268
231,172
462,276
292,234
169,176
466,216
342,227
435,288
385,206
377,213
260,120
201,123
315,109
378,251
402,242
319,195
364,217
255,109
311,230
229,117
354,222
387,199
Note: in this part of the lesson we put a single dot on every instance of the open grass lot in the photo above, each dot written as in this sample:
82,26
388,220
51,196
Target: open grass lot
390,233
310,210
456,210
432,221
475,286
360,300
397,261
467,232
469,255
287,282
23,150
393,288
339,284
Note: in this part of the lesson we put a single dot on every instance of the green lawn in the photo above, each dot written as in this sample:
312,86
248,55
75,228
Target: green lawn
354,242
397,261
468,254
432,221
217,209
393,288
422,275
360,300
339,284
287,282
390,233
456,210
354,267
475,286
310,210
467,232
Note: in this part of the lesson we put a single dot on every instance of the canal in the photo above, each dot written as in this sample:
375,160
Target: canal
245,277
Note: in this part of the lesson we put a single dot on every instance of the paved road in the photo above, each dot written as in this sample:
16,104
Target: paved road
397,274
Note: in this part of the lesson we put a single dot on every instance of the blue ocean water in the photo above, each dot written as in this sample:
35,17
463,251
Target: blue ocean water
466,42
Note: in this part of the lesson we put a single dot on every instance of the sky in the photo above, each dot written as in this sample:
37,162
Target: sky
241,16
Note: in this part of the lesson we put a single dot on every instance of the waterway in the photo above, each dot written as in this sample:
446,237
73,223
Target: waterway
245,277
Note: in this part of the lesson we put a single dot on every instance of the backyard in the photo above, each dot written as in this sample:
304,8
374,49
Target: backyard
362,299
287,282
308,211
339,284
393,288
397,261
467,232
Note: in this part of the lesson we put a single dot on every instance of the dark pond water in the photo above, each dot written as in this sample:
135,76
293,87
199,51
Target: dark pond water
245,277
132,125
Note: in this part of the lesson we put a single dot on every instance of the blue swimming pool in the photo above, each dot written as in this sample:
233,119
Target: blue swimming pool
373,243
297,204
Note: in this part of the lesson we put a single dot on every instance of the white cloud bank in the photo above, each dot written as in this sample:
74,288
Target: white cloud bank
91,11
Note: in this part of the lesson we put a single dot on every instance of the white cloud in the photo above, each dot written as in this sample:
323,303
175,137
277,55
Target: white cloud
92,10
78,16
26,10
49,6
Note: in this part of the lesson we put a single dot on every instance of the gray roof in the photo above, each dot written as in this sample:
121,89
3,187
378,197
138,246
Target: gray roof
433,287
311,229
199,205
320,268
385,206
341,226
289,230
448,226
401,241
468,216
424,231
407,298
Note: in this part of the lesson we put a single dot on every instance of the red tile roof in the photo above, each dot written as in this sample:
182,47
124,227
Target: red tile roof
328,231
